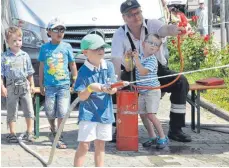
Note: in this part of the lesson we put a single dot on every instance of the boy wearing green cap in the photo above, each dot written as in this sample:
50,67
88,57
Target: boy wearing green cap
96,107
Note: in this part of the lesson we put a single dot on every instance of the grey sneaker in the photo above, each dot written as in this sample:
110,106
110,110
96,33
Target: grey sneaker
29,137
12,138
150,142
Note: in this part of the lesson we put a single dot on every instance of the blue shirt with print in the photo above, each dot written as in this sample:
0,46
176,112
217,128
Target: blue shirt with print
98,107
16,66
56,58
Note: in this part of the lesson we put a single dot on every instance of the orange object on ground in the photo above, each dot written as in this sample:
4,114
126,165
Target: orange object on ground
127,121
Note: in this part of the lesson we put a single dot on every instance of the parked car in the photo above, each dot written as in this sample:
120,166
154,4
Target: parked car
186,6
81,17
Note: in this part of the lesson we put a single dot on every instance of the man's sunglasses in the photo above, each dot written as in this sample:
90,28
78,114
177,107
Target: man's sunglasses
131,15
61,30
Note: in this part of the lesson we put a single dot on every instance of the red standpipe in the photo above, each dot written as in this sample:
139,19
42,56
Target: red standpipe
127,121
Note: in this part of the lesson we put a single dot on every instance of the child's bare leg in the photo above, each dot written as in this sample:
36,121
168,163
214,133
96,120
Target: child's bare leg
59,122
99,153
148,125
12,127
52,124
156,124
81,153
29,123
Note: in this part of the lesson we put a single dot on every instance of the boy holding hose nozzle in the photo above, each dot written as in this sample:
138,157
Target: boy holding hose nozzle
148,101
96,108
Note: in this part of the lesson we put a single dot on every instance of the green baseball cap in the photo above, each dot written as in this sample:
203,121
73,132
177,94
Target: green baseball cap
92,42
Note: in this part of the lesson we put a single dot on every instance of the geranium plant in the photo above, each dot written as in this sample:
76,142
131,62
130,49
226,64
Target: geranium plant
195,49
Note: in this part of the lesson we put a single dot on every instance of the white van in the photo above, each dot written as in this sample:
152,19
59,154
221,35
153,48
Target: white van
80,16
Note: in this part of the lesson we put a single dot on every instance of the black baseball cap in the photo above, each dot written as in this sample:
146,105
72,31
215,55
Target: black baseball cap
128,5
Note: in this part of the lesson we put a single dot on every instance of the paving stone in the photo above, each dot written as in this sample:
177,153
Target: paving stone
208,149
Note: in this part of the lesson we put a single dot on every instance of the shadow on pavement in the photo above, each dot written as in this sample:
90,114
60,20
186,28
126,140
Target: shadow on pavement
207,142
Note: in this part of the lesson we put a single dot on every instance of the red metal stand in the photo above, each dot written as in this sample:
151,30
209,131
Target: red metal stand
127,121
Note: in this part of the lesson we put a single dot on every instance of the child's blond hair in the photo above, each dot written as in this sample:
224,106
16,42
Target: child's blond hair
13,30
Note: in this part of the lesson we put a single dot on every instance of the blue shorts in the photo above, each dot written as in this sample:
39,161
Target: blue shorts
57,101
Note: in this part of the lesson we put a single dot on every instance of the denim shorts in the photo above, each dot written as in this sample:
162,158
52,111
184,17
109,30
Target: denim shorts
57,101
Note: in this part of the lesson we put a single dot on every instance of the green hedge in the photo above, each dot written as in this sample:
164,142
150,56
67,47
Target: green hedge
202,52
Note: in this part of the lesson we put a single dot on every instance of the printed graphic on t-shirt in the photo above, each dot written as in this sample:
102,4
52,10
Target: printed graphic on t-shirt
55,65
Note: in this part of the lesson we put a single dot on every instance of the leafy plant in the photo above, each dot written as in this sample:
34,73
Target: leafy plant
195,50
202,52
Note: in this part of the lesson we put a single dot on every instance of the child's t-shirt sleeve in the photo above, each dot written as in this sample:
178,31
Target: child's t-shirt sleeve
80,84
151,64
70,54
29,66
41,56
111,72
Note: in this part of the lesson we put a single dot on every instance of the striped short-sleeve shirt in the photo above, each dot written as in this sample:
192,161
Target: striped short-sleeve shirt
152,65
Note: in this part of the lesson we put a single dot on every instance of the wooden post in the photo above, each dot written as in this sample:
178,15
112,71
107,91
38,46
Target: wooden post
222,25
209,16
227,18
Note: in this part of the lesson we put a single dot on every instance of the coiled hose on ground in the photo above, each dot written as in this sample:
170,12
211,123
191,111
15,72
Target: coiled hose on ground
37,155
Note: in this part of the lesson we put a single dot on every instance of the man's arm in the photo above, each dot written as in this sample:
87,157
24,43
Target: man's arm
163,30
117,64
169,30
117,51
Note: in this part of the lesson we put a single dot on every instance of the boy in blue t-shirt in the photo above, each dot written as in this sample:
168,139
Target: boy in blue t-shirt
148,101
96,107
54,78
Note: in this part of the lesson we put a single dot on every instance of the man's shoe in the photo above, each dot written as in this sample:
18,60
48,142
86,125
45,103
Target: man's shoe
179,136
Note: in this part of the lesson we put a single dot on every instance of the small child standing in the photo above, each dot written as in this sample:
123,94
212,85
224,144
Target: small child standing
54,78
148,102
96,107
16,68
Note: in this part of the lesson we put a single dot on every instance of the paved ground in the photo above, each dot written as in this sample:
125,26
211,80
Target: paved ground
208,149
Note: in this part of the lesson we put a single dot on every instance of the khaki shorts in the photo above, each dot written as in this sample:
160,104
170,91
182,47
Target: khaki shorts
15,94
149,102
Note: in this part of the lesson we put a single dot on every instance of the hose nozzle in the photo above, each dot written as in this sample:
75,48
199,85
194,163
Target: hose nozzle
120,84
